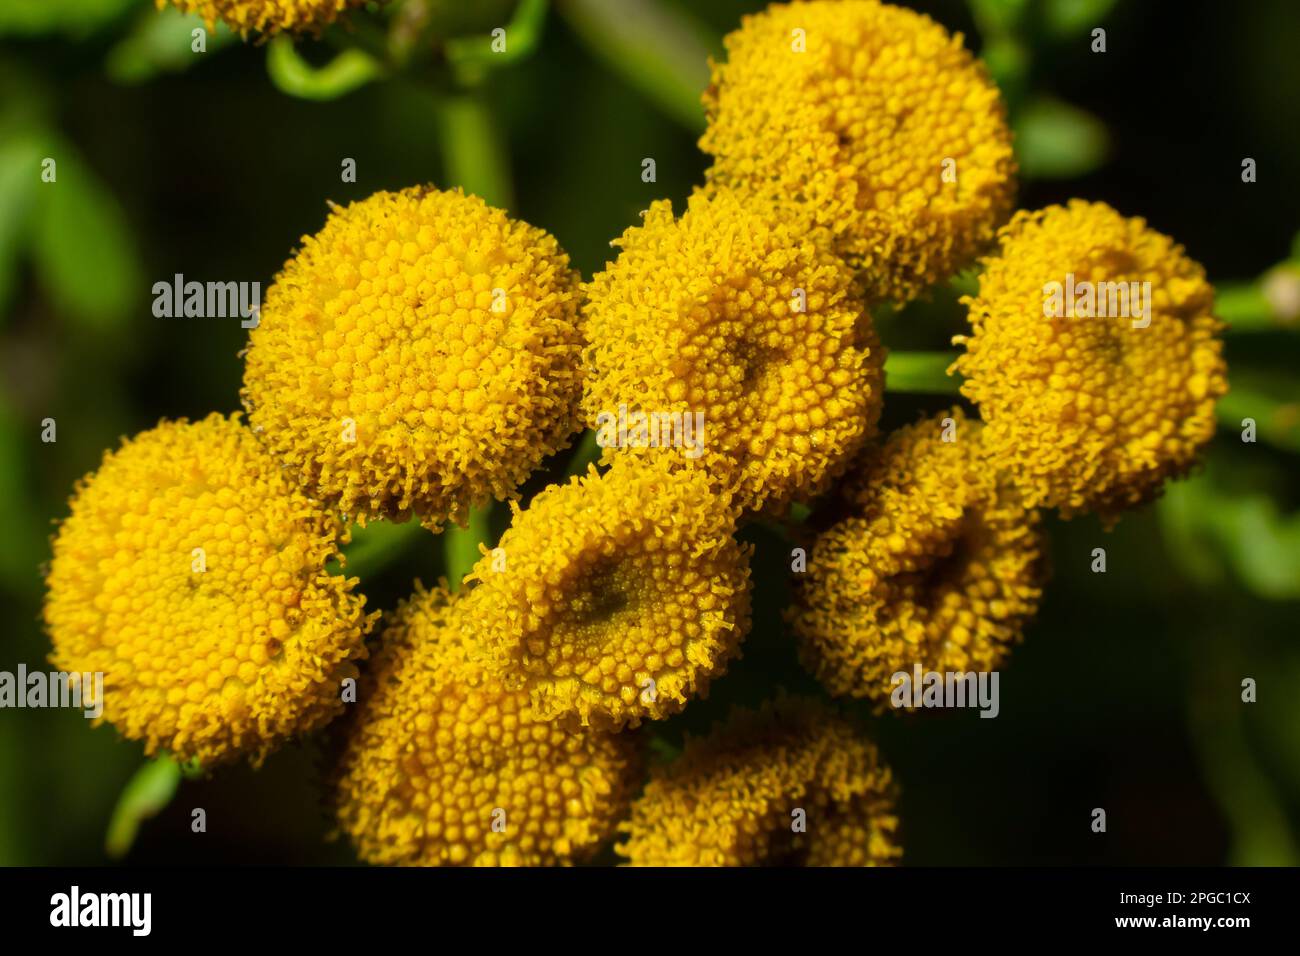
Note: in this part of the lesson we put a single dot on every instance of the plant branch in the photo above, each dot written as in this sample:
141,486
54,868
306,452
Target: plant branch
921,372
460,546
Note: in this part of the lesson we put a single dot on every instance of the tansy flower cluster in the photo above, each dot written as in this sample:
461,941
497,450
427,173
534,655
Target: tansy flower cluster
876,124
267,16
424,354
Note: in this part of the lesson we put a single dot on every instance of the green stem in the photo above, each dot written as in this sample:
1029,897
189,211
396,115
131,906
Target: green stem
474,154
460,545
921,372
1243,306
292,74
586,453
1247,307
471,57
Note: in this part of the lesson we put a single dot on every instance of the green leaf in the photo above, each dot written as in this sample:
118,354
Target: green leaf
1213,530
82,248
160,42
24,531
1065,19
20,159
376,546
657,48
1266,548
69,17
1246,792
1190,542
1276,421
145,794
1057,141
456,18
1007,60
998,16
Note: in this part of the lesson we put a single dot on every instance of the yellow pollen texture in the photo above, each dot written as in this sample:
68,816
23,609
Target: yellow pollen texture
878,122
442,765
735,314
192,574
266,16
938,564
420,354
616,597
792,784
1093,409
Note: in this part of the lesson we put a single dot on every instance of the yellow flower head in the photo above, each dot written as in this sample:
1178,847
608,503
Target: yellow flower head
419,354
440,764
877,120
790,784
731,337
1094,357
940,565
266,16
617,596
191,573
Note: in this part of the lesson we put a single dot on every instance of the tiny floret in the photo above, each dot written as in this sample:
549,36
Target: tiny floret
267,16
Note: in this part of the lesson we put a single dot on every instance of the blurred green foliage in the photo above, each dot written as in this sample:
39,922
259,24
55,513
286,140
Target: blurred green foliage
1126,693
158,43
71,18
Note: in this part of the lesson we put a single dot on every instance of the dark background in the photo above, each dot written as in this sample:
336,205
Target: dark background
1126,692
